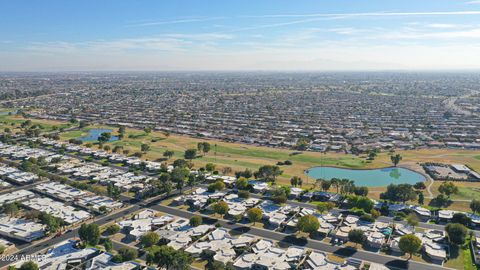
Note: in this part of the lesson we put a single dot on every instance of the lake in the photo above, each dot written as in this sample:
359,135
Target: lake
369,178
94,133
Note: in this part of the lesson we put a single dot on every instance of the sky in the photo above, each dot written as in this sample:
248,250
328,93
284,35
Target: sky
191,35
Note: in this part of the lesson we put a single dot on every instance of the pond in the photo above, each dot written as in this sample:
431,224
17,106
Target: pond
94,133
7,112
369,178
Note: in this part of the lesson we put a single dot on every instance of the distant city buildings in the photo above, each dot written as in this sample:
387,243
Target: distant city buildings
329,112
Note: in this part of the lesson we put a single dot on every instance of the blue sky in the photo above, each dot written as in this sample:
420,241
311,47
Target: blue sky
239,35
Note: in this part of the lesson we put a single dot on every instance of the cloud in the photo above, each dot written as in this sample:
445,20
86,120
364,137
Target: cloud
473,33
177,21
167,42
371,14
473,2
441,25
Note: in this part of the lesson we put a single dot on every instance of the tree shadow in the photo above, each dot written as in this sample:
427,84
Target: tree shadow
345,252
293,239
398,264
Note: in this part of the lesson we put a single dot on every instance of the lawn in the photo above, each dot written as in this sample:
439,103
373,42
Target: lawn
241,156
14,121
466,190
461,257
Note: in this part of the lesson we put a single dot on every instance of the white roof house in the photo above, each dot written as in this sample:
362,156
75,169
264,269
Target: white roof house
144,222
20,229
318,261
16,196
222,244
265,254
67,213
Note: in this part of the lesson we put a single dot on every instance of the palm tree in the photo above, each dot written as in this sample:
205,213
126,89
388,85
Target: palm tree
343,185
335,183
318,183
275,172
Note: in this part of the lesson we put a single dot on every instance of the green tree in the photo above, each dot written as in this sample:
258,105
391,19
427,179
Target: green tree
399,193
396,159
121,129
308,224
220,208
52,223
326,185
375,214
29,266
244,194
113,191
294,181
268,173
335,183
421,198
255,214
356,236
420,185
206,148
412,220
475,206
457,233
104,137
461,218
325,206
360,202
241,183
210,167
144,147
410,244
107,243
196,221
89,233
169,258
179,175
280,195
203,147
190,154
128,254
2,249
218,185
302,144
149,239
448,189
360,191
11,209
168,154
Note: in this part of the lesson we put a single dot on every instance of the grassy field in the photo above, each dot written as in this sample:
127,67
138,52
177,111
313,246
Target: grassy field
467,190
236,156
13,122
241,156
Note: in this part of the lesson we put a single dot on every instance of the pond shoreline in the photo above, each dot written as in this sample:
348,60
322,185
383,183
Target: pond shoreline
378,177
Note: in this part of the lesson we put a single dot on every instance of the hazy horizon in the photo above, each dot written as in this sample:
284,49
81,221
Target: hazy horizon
267,35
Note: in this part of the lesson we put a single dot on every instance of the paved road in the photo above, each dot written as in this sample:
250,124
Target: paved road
16,188
389,261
